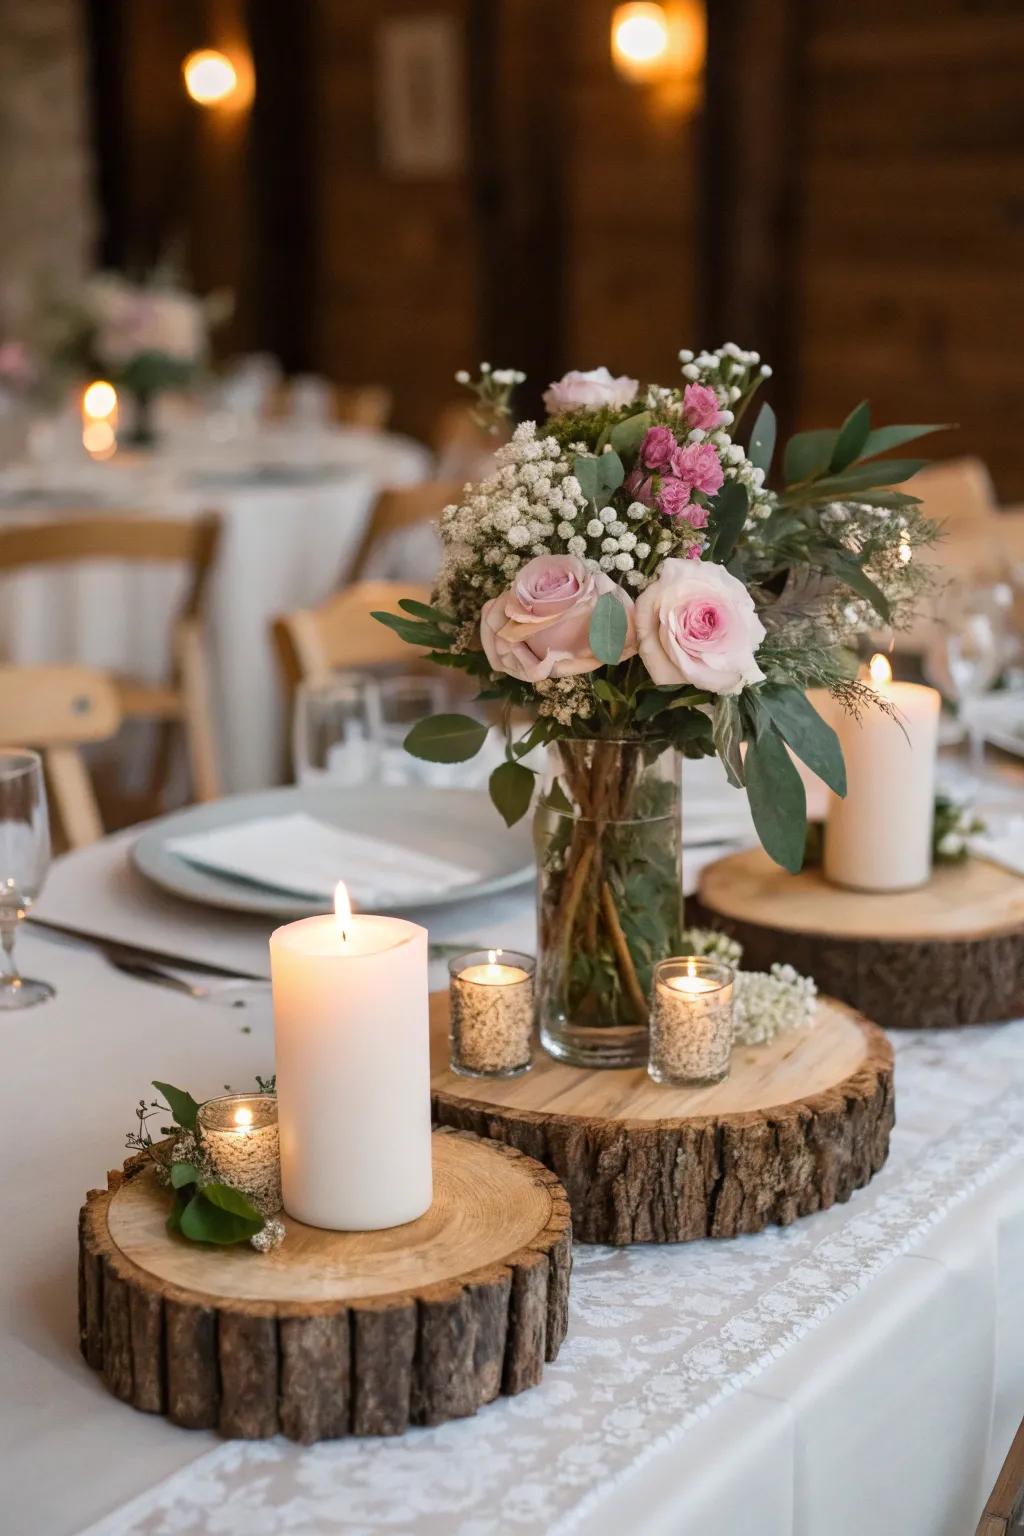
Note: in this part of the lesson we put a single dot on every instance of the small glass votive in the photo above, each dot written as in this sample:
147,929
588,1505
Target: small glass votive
238,1134
491,1027
691,1021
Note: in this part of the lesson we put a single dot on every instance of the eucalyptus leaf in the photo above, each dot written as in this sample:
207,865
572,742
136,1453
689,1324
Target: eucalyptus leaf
608,629
423,611
511,788
183,1174
807,455
626,436
232,1200
861,477
446,738
728,734
588,472
415,631
612,470
802,728
728,516
762,439
182,1105
778,803
846,568
204,1221
852,436
882,439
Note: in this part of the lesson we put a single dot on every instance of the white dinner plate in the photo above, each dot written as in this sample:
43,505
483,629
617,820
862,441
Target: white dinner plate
455,824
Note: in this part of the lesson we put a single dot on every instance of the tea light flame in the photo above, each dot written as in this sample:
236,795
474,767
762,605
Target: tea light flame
881,671
342,910
691,967
243,1116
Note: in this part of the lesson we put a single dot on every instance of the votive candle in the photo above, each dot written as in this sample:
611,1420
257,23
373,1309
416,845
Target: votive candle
491,1001
691,1022
238,1133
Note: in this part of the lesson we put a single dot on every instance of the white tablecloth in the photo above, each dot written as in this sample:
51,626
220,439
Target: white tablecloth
859,1371
288,536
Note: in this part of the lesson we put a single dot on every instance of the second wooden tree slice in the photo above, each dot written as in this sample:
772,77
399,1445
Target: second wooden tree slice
334,1333
949,953
797,1125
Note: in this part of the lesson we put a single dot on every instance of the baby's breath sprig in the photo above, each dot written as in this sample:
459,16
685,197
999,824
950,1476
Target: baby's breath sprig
493,390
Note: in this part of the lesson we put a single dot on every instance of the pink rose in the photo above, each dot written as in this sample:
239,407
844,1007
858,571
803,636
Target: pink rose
697,624
696,514
657,448
673,497
699,465
700,407
694,551
540,627
589,391
638,487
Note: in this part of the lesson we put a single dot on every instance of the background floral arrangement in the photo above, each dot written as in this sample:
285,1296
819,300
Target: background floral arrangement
626,572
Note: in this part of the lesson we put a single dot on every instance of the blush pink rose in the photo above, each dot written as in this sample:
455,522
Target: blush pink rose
673,497
589,391
700,407
697,624
657,448
540,627
694,551
699,465
696,514
639,487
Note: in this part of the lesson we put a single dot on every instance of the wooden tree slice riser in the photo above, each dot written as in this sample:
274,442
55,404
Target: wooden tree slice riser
363,1348
798,1124
949,954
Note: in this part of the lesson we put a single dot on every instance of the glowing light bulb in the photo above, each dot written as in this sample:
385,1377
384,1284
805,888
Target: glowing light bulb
342,911
210,77
243,1116
99,400
640,38
880,670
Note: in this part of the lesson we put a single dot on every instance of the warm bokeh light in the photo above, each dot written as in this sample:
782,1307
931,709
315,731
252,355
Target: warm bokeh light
243,1116
640,39
906,551
881,671
99,439
342,910
210,77
99,400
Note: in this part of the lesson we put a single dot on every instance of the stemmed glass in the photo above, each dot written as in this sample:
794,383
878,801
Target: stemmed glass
335,730
968,655
24,860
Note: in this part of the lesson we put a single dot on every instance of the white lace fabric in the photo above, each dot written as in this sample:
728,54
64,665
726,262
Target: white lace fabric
658,1335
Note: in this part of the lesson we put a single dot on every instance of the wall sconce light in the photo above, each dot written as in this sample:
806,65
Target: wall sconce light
214,80
661,44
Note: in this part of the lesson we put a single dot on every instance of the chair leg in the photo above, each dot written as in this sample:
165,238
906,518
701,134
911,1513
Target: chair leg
197,705
73,796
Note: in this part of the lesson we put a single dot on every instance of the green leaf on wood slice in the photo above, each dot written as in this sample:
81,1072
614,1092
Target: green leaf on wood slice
183,1174
446,738
852,436
182,1105
205,1221
802,728
762,439
807,455
608,629
232,1200
511,787
777,800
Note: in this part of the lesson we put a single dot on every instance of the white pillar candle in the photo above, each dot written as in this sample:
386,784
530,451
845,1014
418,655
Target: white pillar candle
353,1069
879,838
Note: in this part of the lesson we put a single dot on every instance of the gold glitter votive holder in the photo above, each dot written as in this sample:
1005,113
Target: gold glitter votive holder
691,1021
238,1134
491,1018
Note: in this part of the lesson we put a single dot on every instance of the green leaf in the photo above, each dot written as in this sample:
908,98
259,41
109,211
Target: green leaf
182,1105
178,1204
852,436
728,515
608,692
446,738
802,728
608,629
807,455
511,787
894,500
232,1200
588,472
777,800
884,438
423,610
612,470
183,1174
728,734
861,477
650,704
762,439
848,571
415,631
626,436
205,1221
557,798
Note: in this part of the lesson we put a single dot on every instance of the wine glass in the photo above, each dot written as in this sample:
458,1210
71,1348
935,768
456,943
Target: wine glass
967,656
334,735
24,860
403,701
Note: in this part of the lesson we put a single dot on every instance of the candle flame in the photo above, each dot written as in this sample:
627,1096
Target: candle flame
342,910
691,967
243,1115
881,671
99,400
492,956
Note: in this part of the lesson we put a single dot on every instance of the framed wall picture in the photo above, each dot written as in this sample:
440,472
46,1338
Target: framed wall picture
420,86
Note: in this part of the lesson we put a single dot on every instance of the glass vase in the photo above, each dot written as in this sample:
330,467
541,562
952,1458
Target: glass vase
610,903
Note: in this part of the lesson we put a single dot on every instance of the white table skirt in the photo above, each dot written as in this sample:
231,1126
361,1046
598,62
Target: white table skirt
860,1370
285,545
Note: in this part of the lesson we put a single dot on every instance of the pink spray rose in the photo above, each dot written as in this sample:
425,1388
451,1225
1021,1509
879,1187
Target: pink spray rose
699,465
697,624
657,448
700,407
694,551
540,627
673,497
696,514
638,487
589,391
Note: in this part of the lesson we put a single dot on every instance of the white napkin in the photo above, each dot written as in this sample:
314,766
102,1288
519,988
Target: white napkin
297,853
1003,845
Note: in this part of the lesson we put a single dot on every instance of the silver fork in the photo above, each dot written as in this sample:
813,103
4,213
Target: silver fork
229,991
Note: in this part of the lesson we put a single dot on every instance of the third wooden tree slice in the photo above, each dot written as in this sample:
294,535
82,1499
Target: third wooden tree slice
798,1124
949,953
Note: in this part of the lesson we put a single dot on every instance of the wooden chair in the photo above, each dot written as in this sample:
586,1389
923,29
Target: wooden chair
57,710
184,701
463,449
341,632
397,511
1004,1512
363,405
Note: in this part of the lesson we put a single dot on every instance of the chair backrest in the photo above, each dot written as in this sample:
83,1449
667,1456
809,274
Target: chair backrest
363,405
57,709
398,510
958,492
463,448
128,536
342,633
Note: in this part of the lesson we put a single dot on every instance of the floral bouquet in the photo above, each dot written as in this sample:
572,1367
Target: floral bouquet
627,586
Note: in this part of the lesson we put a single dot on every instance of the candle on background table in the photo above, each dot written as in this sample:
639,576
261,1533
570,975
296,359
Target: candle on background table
99,419
691,1021
352,1048
491,1026
239,1135
879,838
